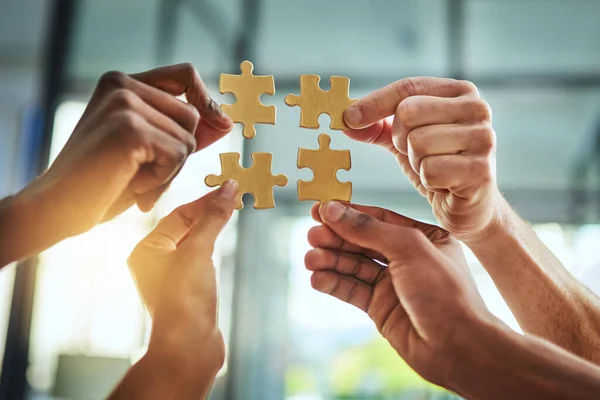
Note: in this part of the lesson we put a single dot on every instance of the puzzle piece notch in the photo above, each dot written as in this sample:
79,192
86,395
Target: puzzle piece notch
248,109
257,179
313,101
325,164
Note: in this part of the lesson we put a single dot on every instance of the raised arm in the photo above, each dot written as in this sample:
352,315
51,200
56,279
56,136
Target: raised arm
440,132
176,279
131,141
413,282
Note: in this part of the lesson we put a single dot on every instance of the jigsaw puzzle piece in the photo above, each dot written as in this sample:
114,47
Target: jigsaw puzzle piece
324,163
257,179
248,108
313,101
263,181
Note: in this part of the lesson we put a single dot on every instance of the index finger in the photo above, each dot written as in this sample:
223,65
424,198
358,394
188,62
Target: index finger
383,102
184,79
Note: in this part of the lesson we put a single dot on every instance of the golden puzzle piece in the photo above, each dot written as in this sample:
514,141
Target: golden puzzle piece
257,179
247,88
325,163
313,101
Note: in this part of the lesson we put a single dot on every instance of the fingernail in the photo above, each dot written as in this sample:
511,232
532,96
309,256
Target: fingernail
228,189
334,211
353,116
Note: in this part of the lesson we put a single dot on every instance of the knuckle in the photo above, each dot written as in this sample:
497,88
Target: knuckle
189,69
407,87
188,221
479,109
127,122
407,112
123,99
218,209
415,236
113,79
468,87
360,221
428,170
486,137
416,142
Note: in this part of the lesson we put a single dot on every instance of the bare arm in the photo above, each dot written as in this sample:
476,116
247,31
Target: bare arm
131,121
176,279
15,244
168,372
502,364
426,304
544,297
453,165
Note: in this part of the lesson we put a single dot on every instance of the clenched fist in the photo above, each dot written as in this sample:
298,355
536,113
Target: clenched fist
440,132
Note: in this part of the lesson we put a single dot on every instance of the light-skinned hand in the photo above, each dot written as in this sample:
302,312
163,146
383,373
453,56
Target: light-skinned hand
175,276
440,132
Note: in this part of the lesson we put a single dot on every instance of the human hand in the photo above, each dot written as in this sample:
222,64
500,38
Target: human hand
175,276
441,135
132,140
411,279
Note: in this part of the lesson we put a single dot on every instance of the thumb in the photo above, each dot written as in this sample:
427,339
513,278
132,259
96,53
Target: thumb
395,243
173,229
217,209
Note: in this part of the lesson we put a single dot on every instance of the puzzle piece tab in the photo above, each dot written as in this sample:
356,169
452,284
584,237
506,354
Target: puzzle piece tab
257,179
325,163
247,88
313,101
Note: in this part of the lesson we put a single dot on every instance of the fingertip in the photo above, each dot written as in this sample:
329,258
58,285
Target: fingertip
316,280
311,259
228,190
313,235
332,211
145,203
218,118
353,117
321,281
314,212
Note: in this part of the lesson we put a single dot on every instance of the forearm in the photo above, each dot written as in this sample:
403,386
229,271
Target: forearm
506,365
544,297
169,371
16,231
30,222
154,377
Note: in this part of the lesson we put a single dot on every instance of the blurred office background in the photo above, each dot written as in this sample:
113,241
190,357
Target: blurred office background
70,319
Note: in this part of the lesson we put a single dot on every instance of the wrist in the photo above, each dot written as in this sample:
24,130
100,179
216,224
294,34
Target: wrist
480,359
500,225
32,221
19,229
499,363
194,353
